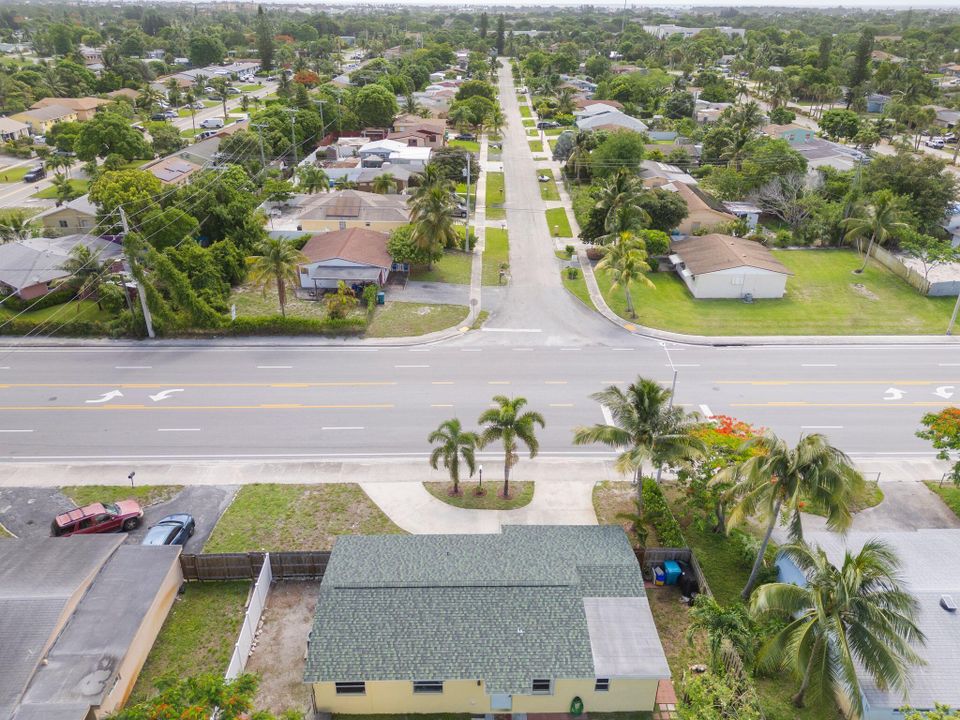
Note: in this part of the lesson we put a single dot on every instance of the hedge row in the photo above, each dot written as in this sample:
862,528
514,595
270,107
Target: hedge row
658,514
71,328
57,297
279,325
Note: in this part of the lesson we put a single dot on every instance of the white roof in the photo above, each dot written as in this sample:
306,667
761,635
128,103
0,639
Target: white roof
408,152
616,117
389,145
595,109
623,638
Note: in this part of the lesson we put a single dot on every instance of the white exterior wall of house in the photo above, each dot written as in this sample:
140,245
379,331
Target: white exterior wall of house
735,283
309,282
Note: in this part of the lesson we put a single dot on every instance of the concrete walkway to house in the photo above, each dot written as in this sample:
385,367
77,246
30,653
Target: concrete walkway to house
409,505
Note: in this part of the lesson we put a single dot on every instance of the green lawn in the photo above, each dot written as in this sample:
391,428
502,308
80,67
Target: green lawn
250,88
59,314
468,145
251,301
50,193
403,319
529,123
536,146
144,494
552,145
525,111
521,493
533,132
614,498
949,493
548,190
296,517
16,174
553,132
558,223
496,250
453,267
495,196
578,287
871,496
461,190
198,635
821,299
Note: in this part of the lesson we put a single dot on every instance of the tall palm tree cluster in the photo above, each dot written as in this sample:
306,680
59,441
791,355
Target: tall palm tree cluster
849,618
432,206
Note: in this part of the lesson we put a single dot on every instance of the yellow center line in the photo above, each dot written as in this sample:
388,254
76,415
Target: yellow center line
442,382
498,382
266,406
561,404
554,382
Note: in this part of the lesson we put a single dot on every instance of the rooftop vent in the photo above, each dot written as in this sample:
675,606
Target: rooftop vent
947,603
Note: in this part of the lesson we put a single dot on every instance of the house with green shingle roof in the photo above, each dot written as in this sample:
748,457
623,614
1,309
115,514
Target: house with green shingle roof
535,619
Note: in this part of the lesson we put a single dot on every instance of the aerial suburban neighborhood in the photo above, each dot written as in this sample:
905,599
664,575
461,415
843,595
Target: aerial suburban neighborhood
371,361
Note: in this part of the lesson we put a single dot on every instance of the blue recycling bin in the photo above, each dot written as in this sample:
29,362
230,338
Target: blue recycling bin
671,572
381,298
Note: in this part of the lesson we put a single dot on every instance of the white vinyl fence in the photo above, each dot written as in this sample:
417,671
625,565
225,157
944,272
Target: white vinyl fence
258,601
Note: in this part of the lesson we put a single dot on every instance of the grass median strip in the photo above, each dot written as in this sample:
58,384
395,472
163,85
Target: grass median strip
521,493
266,517
558,223
496,252
144,494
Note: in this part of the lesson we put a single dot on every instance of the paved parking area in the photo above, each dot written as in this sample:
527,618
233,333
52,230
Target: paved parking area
28,511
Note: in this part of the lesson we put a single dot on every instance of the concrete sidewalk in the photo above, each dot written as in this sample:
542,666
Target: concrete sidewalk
409,505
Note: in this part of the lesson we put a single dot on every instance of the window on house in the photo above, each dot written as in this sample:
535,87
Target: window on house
343,225
351,688
82,223
602,685
428,686
64,224
541,687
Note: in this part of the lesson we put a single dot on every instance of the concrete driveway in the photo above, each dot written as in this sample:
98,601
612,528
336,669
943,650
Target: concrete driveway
28,511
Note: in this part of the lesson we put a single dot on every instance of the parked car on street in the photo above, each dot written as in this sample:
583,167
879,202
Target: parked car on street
547,125
171,530
198,105
212,123
465,136
37,173
98,518
935,142
159,117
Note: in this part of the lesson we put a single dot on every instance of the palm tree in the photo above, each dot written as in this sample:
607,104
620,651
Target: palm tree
190,99
782,479
220,85
564,97
461,117
878,220
626,263
57,162
621,189
584,142
312,179
278,262
509,425
383,184
63,188
15,226
623,219
432,221
734,146
497,119
452,445
645,426
85,272
844,621
722,625
430,177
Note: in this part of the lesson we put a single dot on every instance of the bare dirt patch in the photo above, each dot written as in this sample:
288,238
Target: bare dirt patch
281,644
863,291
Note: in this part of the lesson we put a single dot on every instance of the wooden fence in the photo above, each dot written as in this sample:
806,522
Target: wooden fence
651,557
306,565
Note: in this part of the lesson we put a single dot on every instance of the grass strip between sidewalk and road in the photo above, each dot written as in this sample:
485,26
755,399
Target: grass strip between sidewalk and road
265,517
578,287
495,195
525,111
146,495
558,223
521,493
548,190
496,251
536,146
949,493
406,319
453,267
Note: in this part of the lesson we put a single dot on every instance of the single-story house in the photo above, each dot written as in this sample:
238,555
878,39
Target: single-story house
379,150
952,223
947,118
565,616
723,266
791,132
172,170
418,137
398,173
672,173
11,129
354,256
91,55
78,616
614,119
128,93
84,107
930,560
415,122
876,102
744,210
76,216
41,119
595,109
583,103
343,209
882,56
703,211
31,268
819,153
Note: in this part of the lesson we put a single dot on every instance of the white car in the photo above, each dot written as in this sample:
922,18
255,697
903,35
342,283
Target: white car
212,123
232,91
935,142
208,89
198,105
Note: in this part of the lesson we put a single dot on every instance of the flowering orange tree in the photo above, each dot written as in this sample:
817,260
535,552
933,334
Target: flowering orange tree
943,431
724,437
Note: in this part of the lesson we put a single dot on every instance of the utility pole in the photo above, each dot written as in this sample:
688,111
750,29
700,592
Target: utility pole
623,20
147,317
953,318
293,135
263,157
673,391
466,235
323,125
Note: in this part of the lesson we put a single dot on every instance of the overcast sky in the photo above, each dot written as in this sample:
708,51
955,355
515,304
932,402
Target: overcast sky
673,4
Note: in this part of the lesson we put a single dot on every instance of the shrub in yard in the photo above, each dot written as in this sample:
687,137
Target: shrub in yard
783,238
712,696
568,249
595,253
341,302
573,273
370,297
747,546
658,513
279,325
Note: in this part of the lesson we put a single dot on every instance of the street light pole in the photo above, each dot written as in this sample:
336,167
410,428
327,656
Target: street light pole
466,234
480,486
953,318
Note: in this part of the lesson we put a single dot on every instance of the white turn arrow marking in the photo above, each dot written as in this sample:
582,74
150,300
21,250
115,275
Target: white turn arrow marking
106,397
164,394
893,394
944,391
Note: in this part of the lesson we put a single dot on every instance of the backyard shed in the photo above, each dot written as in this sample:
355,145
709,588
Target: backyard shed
723,266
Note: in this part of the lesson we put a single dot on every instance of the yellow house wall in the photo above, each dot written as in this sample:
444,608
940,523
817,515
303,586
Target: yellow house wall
51,222
329,225
467,696
703,219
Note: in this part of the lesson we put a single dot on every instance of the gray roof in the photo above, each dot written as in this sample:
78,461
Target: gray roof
617,118
930,568
503,608
81,204
40,260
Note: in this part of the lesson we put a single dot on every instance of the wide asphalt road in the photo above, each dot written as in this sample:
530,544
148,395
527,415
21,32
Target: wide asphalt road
74,404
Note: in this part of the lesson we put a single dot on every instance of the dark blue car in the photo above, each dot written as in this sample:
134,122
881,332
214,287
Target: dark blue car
171,530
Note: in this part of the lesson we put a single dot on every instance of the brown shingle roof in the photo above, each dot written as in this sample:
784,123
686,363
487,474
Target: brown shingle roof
713,252
358,245
77,104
